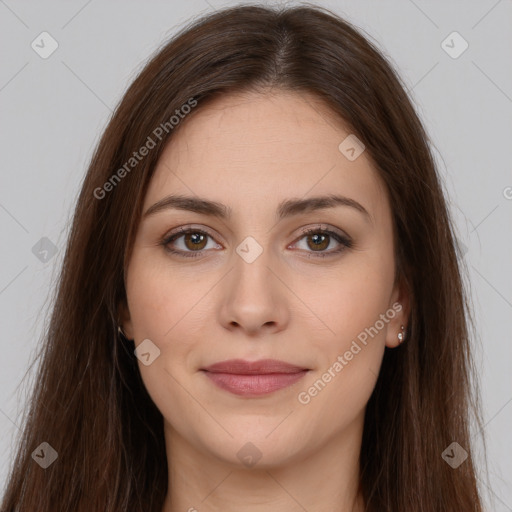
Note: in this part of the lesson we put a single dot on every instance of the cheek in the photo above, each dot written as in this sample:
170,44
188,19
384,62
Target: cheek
353,304
350,356
349,298
159,306
158,299
158,309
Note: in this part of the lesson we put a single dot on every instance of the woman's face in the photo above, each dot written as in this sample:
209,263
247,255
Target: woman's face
248,284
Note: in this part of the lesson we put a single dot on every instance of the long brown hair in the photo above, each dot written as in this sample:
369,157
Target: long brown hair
89,402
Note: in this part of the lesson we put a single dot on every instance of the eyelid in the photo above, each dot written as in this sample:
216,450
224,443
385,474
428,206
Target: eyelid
191,227
324,227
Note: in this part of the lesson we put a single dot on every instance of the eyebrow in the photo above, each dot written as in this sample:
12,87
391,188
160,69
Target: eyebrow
287,208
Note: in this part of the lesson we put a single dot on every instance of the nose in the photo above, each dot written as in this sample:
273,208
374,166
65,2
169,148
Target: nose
254,299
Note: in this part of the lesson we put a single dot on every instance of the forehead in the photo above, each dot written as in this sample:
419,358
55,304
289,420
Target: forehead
264,147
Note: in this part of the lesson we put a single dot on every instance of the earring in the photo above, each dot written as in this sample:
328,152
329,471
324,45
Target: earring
401,335
120,331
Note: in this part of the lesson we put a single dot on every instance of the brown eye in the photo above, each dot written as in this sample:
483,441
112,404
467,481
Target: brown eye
195,240
191,242
318,241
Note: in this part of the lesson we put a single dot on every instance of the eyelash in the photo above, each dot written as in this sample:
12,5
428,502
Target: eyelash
346,243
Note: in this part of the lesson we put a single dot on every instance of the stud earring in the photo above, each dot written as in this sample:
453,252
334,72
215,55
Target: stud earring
401,335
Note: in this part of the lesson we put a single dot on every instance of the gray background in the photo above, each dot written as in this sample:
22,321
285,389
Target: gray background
53,111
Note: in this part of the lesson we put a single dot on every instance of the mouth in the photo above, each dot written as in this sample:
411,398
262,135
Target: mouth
251,379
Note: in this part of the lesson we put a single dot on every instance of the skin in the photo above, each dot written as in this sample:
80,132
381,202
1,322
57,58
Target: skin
250,152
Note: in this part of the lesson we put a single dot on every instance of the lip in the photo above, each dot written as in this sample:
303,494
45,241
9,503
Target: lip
256,378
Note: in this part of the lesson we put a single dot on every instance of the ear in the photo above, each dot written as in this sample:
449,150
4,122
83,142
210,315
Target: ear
400,303
125,321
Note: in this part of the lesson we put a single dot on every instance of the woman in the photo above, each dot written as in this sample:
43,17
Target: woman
260,306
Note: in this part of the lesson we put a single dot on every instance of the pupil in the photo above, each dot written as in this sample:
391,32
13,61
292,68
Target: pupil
319,241
196,238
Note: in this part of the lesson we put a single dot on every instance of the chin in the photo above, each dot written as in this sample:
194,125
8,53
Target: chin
254,449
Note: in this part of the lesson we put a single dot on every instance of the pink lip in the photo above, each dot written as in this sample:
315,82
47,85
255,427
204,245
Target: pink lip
254,378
